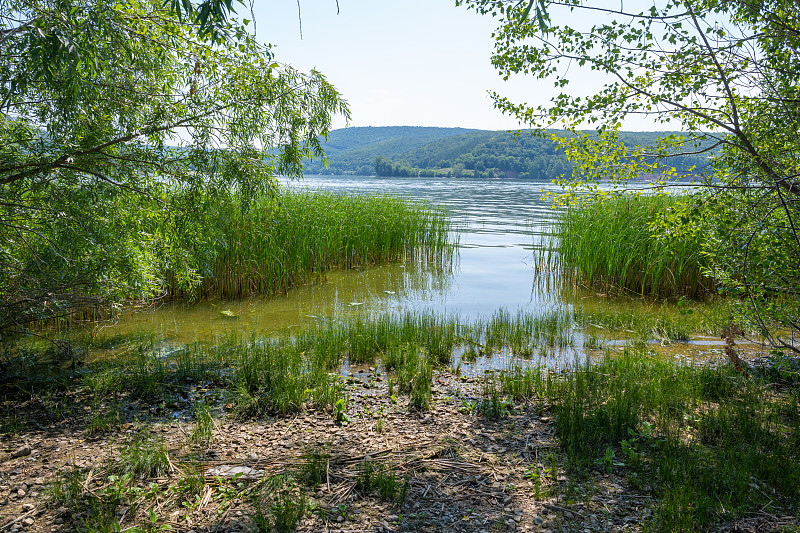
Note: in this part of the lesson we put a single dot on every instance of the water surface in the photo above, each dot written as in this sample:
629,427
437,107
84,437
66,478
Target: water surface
499,222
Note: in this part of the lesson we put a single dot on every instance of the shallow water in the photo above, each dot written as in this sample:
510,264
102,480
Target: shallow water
499,223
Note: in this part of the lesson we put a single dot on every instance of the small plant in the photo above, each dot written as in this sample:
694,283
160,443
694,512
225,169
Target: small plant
415,377
245,404
491,406
468,406
153,525
494,408
104,419
537,475
279,506
67,489
203,431
314,465
144,459
192,482
609,460
340,412
340,510
375,478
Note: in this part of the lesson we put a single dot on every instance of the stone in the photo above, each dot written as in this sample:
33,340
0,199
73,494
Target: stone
230,471
22,451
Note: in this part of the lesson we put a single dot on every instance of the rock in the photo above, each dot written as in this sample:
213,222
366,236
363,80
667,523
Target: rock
538,520
21,493
22,451
230,471
28,507
27,522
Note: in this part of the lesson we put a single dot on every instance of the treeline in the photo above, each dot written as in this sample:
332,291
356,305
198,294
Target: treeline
485,156
455,152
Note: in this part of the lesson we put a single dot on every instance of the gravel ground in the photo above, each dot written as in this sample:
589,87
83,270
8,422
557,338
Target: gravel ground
465,473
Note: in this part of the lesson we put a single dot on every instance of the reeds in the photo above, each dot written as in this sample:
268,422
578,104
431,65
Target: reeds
614,246
268,244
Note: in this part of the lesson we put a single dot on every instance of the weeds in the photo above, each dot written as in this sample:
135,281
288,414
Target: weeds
414,376
711,443
314,465
67,489
203,431
491,405
279,506
381,480
143,459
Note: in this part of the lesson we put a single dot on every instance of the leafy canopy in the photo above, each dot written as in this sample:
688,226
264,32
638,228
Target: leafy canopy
726,72
118,119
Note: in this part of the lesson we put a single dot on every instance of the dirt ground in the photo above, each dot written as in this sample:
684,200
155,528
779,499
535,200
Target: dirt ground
465,473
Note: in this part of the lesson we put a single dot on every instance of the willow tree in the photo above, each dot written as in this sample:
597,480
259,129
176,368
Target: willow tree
727,73
108,108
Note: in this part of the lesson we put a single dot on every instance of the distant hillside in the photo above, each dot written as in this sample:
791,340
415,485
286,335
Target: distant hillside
354,150
420,151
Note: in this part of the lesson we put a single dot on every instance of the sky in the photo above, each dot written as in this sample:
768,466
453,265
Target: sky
399,62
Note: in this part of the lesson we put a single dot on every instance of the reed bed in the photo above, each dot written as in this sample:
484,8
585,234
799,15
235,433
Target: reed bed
268,244
612,245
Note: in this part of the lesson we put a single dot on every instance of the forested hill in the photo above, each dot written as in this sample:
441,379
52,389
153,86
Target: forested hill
423,151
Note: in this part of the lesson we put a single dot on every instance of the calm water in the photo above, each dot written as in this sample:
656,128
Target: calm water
499,221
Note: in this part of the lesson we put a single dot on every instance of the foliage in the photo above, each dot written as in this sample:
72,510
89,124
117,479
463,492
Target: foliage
727,73
266,244
408,151
708,443
106,106
637,259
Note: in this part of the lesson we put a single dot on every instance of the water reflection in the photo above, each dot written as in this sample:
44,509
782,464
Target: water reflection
500,222
376,289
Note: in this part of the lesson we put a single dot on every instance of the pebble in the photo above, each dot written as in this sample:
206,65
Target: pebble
21,452
28,522
538,520
28,506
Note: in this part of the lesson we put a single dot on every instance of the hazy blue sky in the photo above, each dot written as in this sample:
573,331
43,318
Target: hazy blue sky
399,62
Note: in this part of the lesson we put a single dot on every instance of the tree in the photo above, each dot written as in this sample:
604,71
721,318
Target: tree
726,72
383,167
109,109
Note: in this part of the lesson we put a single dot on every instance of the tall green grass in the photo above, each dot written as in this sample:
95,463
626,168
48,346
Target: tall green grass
612,245
268,244
710,444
